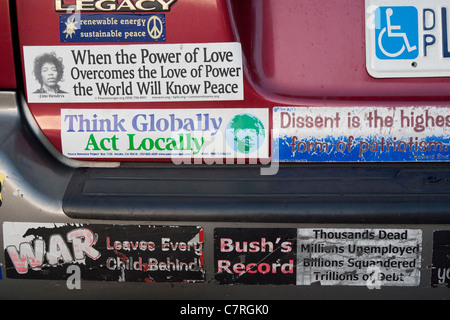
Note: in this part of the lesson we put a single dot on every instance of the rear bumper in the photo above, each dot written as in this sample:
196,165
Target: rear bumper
223,201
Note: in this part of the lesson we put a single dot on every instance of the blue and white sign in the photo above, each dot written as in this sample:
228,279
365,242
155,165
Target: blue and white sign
361,134
95,28
397,33
407,39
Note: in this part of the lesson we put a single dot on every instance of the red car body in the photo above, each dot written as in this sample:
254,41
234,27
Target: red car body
341,200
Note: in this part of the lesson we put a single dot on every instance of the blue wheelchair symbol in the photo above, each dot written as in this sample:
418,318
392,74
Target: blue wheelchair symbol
397,33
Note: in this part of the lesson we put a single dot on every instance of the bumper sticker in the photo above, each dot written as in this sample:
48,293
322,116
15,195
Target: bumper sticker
359,257
440,271
319,256
180,134
255,256
134,73
362,134
97,28
135,253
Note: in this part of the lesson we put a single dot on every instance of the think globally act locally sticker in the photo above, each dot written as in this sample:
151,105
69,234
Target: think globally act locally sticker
156,133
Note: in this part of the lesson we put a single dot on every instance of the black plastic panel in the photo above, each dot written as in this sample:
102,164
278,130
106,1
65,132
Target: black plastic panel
313,193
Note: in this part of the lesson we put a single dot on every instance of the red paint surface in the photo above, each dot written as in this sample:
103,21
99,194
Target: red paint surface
296,52
7,69
189,21
303,49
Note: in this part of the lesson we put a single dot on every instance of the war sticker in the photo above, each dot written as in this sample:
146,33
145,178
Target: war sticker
136,253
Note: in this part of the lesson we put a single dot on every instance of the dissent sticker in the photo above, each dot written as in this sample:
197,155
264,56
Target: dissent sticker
134,73
361,134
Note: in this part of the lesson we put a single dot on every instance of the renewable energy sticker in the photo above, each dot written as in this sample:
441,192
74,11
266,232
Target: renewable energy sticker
96,28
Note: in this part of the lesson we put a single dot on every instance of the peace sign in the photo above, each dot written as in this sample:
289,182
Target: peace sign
155,27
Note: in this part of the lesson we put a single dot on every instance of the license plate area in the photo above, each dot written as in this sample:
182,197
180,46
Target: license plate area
407,39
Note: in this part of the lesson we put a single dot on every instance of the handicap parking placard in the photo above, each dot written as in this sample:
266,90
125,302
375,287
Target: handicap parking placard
397,34
407,38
